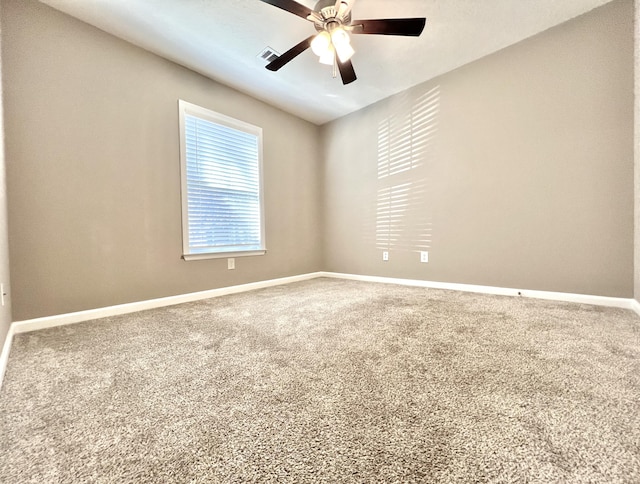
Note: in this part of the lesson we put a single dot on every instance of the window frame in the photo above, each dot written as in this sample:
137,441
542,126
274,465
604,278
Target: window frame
188,109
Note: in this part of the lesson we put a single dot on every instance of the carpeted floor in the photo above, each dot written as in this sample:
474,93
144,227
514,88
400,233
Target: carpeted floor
329,381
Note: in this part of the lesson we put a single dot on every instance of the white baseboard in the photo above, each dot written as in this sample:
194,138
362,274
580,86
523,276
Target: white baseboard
88,315
91,314
80,316
635,305
617,302
4,356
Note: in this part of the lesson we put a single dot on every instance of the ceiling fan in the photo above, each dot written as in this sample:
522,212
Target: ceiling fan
332,44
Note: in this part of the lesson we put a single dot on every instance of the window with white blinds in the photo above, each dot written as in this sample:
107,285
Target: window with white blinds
221,159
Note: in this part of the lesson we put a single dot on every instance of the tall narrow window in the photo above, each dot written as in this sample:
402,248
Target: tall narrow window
221,160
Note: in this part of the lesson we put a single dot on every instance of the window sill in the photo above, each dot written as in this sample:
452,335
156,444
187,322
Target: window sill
223,255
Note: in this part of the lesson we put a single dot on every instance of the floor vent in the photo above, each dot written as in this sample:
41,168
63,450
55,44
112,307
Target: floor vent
268,55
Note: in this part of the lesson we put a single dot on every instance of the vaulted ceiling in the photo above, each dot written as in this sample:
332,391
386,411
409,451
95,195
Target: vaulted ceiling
222,39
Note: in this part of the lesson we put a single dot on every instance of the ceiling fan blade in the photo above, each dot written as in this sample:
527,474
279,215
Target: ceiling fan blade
343,7
291,6
394,26
347,72
291,54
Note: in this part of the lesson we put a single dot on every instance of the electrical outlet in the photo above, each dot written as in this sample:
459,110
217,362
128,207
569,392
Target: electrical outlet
385,255
231,263
424,256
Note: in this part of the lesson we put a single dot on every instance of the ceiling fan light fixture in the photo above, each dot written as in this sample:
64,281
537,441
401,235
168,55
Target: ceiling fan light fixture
328,57
345,53
342,43
321,44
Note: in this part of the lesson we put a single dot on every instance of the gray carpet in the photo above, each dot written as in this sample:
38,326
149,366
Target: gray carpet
329,381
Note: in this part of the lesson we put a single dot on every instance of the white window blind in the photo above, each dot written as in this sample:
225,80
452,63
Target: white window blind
221,185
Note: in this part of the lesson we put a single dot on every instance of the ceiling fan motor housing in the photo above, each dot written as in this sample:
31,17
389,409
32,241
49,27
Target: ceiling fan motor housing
327,9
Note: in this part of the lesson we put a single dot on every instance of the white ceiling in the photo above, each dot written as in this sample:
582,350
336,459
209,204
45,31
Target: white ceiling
222,39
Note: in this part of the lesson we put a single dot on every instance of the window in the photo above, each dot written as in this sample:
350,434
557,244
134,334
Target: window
221,162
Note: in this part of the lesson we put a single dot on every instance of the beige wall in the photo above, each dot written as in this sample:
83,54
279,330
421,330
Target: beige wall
5,310
519,169
637,151
93,171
